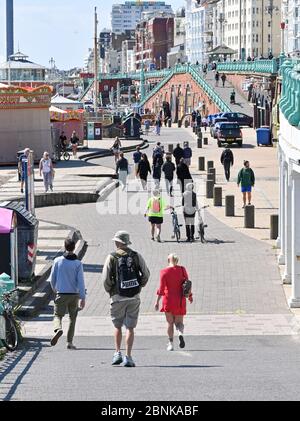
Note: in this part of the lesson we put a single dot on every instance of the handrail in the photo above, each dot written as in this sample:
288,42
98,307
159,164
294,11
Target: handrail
256,66
290,96
87,90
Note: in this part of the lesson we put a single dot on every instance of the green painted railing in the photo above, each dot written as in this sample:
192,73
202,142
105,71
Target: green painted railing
290,95
135,75
256,66
87,90
194,72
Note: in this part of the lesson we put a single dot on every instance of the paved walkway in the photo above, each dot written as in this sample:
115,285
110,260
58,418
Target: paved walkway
241,105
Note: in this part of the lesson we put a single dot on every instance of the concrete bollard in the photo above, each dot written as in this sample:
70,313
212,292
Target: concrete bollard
209,189
170,122
199,133
273,227
229,205
211,175
249,218
179,123
210,164
217,196
170,148
194,129
201,163
199,142
205,141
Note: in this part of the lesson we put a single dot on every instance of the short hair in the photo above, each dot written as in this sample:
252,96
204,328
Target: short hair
246,162
69,244
173,258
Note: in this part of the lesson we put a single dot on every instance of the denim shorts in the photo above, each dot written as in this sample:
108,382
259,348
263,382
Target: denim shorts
246,189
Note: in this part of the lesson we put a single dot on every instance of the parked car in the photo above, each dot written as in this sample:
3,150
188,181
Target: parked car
211,116
215,125
229,133
242,119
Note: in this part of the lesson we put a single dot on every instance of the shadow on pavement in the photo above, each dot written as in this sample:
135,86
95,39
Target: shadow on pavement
92,268
181,366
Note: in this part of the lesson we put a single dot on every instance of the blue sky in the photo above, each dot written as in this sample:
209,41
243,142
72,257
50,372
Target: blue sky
62,29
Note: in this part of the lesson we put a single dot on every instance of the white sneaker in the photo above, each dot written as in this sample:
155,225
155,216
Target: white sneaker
170,346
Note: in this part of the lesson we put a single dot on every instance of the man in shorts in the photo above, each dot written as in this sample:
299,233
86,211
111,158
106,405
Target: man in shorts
246,179
124,274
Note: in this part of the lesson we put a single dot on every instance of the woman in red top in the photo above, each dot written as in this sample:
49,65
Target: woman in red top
173,303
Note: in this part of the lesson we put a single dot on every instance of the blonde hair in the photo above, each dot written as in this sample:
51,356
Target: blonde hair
45,155
173,258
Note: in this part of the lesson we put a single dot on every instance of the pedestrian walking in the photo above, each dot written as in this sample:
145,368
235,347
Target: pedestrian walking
198,120
47,171
204,123
158,125
183,175
74,142
122,169
168,169
190,207
223,77
124,274
137,156
63,142
232,97
217,78
143,170
178,153
67,282
158,150
187,153
116,148
156,168
155,212
246,179
227,161
173,299
21,166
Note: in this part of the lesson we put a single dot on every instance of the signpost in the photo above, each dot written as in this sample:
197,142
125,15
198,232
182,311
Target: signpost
29,183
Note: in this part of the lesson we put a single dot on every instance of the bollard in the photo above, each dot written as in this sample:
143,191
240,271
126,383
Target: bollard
194,129
199,134
209,189
170,122
170,148
201,163
199,142
186,124
229,205
217,196
211,175
179,123
205,141
249,218
273,227
210,164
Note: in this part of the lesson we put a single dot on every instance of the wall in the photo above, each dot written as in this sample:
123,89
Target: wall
188,94
21,128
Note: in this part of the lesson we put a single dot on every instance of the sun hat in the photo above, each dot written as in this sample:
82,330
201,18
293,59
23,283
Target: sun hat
122,237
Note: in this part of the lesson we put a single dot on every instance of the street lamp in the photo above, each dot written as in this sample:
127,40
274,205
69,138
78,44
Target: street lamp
269,10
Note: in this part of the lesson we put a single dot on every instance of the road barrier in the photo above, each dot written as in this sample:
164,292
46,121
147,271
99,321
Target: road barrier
211,175
205,141
199,142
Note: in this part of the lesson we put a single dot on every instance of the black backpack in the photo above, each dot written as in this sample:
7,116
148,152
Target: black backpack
227,155
128,278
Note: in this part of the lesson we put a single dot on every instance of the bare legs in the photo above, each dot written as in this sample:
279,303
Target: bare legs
129,340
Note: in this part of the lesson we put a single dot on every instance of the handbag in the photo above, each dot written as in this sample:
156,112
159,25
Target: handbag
186,286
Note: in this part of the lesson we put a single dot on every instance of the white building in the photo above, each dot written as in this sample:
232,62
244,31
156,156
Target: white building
128,56
291,16
127,15
195,42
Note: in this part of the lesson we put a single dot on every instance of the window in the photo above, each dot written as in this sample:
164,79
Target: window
256,37
236,26
257,23
269,24
269,38
229,14
253,10
236,13
296,12
257,10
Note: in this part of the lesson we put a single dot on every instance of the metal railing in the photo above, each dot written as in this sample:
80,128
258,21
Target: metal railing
290,95
135,75
256,66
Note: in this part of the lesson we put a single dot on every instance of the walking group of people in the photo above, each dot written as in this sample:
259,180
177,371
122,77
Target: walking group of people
125,274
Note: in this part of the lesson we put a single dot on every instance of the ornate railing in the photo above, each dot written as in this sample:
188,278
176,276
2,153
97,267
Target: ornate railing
290,95
194,72
256,66
135,75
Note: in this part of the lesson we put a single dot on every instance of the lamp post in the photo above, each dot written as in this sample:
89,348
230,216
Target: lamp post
160,62
269,10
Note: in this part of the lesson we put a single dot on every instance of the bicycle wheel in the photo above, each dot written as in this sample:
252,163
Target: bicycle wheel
66,156
11,333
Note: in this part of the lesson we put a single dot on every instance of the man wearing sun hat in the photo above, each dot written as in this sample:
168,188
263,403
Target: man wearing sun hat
124,274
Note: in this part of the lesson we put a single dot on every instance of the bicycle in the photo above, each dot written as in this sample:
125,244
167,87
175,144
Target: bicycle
201,225
61,153
176,225
11,340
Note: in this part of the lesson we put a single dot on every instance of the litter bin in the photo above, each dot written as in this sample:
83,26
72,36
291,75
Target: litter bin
263,136
27,232
8,243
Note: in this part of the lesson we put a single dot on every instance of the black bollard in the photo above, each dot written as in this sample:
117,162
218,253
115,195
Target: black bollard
194,129
170,122
209,189
249,217
199,142
201,163
205,141
179,123
199,133
273,227
229,205
210,164
170,148
217,196
211,175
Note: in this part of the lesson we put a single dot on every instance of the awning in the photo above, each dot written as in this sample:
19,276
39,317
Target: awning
221,50
6,216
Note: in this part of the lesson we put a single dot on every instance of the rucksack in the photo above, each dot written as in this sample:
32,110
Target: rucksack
227,155
156,205
128,276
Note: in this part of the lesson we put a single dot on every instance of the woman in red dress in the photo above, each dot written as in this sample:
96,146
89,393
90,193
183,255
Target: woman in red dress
173,303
